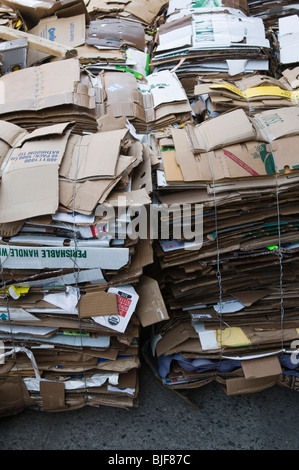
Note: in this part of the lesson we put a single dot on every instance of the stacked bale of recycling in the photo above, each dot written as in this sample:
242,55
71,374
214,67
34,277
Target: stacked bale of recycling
72,263
68,296
231,295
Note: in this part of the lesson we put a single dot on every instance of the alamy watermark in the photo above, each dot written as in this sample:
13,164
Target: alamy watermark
180,222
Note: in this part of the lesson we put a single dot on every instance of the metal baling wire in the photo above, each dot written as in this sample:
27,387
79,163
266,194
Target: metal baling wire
280,255
10,325
218,272
77,267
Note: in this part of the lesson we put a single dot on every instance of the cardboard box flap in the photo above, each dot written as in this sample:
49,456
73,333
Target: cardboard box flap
95,155
184,155
14,395
266,366
53,395
226,129
93,304
285,154
151,308
11,133
245,160
144,10
274,124
174,337
84,196
116,33
240,385
23,192
250,297
44,133
47,85
32,12
68,31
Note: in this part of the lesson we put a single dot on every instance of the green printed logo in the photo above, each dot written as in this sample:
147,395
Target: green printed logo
266,157
207,3
271,119
158,85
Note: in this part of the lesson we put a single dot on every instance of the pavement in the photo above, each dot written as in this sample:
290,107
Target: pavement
165,420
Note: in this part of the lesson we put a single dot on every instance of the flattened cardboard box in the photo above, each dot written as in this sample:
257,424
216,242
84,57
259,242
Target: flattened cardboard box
68,31
26,257
48,85
151,307
96,155
32,12
56,153
116,33
205,6
144,10
127,299
34,160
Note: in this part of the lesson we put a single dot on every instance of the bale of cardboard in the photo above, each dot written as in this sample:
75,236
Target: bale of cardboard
70,274
110,111
211,38
231,296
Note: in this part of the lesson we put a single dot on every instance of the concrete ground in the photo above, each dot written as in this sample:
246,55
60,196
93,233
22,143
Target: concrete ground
207,420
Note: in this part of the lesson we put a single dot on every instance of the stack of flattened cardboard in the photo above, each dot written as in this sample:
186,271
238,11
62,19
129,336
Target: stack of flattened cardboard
31,13
121,44
200,37
251,93
231,298
120,35
84,123
69,327
270,10
143,11
150,104
55,93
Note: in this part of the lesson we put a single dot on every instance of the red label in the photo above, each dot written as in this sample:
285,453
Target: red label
123,305
237,160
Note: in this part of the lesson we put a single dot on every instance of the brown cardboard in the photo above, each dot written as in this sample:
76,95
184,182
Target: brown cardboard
178,335
171,167
143,10
38,44
226,129
151,307
69,31
274,124
240,385
139,197
53,395
90,54
14,396
32,13
93,304
123,96
84,196
116,33
184,155
23,193
83,149
261,367
47,85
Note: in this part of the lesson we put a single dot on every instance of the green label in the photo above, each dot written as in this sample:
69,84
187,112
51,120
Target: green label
207,3
266,157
